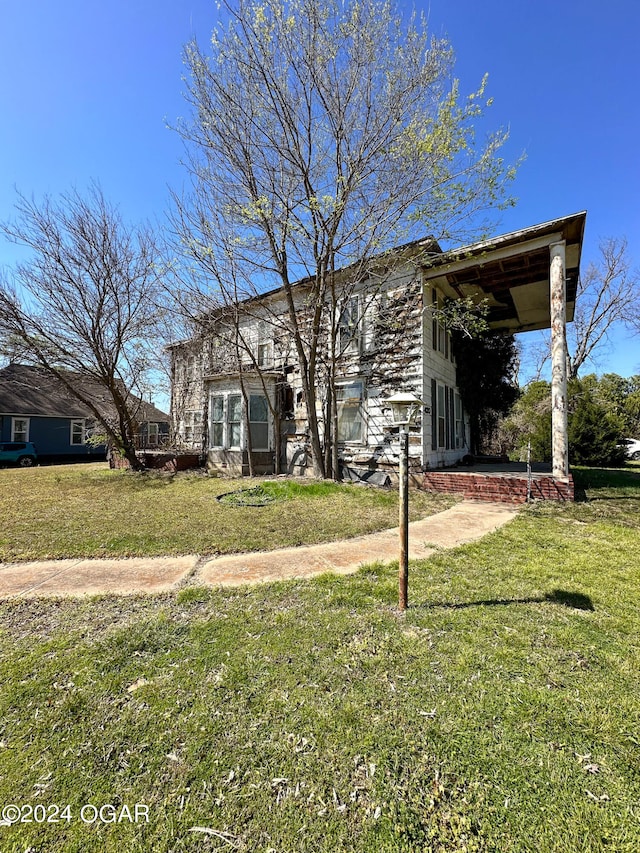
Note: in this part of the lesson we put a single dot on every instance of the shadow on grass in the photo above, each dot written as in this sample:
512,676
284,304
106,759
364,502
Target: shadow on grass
575,600
597,479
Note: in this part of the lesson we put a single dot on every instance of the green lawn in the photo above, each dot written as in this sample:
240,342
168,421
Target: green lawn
501,713
90,511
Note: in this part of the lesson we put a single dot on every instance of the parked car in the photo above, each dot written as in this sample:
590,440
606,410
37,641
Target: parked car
631,447
21,453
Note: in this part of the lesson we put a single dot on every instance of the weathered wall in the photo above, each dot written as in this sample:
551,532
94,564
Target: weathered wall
390,351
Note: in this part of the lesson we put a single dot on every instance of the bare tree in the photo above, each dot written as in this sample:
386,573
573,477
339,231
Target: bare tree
608,294
86,302
323,133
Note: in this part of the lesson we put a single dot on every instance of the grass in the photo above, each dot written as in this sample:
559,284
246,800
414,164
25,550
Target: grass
501,713
90,511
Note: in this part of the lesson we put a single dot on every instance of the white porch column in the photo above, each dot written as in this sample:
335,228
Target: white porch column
559,423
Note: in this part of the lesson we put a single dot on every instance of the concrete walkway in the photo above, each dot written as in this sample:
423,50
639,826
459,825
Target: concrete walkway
463,522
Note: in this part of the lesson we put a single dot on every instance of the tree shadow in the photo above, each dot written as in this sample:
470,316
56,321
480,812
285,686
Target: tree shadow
574,600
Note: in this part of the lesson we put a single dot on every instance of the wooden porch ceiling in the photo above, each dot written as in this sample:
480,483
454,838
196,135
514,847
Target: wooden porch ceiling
512,273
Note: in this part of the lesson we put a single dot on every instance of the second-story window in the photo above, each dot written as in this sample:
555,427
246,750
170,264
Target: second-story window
265,355
349,324
440,337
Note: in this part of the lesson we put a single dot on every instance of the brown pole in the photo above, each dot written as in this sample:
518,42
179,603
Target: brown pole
403,570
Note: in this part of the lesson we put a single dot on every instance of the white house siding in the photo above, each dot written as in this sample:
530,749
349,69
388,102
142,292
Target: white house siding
389,360
440,393
188,396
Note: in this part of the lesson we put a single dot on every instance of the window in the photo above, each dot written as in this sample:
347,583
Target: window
217,421
440,337
442,416
19,429
459,422
447,418
78,433
235,420
192,427
350,415
265,355
152,434
197,426
228,425
259,422
349,323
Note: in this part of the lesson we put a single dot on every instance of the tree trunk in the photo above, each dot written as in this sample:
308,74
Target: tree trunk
245,417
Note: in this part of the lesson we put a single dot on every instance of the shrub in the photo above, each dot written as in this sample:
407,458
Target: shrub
594,433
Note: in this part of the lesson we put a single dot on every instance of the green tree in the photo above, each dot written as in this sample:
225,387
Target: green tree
620,396
321,134
485,374
529,421
594,432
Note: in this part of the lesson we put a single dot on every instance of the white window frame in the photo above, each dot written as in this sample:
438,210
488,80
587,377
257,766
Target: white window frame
230,444
265,354
75,425
226,427
17,434
441,414
220,422
252,421
192,426
448,426
441,338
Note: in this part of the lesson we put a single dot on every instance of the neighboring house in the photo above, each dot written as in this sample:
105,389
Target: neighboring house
36,407
390,340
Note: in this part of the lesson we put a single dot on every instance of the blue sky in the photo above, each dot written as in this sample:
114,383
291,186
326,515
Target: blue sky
87,89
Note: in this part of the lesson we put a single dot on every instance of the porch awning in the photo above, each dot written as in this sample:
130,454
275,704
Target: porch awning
512,273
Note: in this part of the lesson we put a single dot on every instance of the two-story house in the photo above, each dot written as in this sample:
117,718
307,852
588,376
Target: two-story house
236,385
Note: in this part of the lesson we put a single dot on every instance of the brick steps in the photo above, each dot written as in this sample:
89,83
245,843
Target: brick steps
496,487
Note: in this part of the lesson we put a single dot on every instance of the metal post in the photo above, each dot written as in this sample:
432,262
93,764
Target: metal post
403,570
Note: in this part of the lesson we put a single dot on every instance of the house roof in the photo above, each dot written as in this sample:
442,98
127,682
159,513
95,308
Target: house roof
32,391
416,250
512,272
